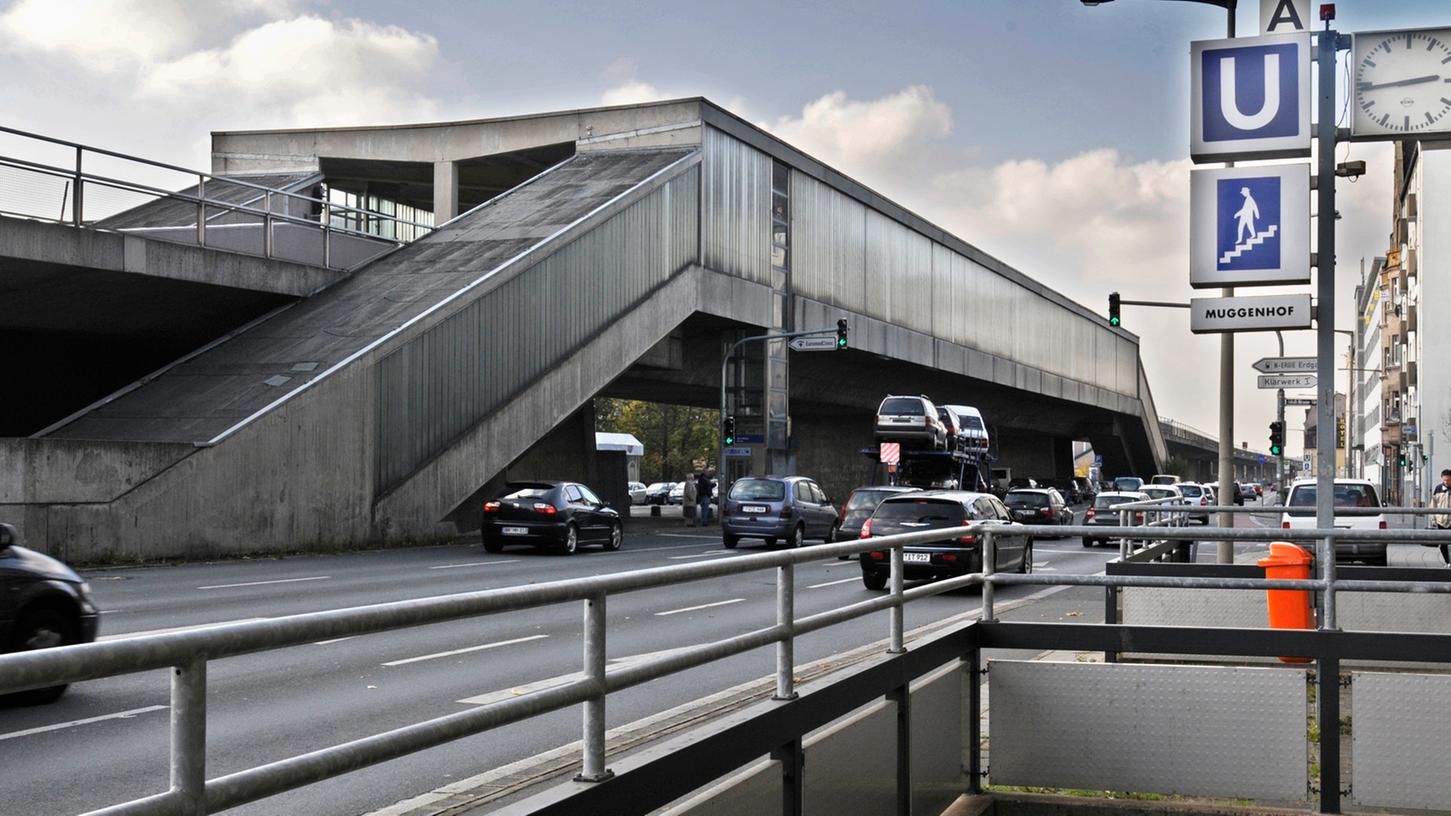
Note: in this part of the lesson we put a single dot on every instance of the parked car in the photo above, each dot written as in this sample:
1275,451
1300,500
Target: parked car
43,603
953,425
911,420
1103,514
676,494
1299,513
637,492
859,506
1127,484
559,515
1195,493
1164,479
1038,507
972,428
658,492
936,509
772,508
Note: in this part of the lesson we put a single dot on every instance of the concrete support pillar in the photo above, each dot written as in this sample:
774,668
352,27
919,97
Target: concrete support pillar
445,191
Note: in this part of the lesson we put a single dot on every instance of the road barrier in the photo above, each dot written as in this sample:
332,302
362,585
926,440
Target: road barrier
187,655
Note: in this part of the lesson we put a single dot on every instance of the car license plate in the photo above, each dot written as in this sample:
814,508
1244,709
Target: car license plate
922,558
515,531
753,509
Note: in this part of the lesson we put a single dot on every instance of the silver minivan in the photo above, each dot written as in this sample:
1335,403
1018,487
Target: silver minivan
911,420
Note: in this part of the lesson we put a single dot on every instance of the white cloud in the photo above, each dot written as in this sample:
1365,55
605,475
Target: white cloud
631,92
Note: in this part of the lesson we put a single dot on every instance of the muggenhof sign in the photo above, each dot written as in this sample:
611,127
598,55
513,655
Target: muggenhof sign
1237,314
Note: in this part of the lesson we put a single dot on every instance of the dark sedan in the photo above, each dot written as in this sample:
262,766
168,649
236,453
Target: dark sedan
860,505
558,515
1044,506
936,509
43,603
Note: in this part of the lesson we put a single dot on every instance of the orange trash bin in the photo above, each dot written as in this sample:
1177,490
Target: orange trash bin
1289,608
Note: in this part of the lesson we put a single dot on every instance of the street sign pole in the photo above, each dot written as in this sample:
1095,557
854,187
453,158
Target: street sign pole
1327,46
1280,480
1225,549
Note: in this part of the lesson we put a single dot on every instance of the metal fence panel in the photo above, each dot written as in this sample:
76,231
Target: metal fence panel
1398,740
851,766
736,234
1207,731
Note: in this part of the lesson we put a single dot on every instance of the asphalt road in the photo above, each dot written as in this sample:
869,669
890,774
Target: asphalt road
106,741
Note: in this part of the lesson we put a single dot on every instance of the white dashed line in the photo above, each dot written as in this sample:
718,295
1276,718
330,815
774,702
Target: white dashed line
710,554
475,564
832,583
263,583
119,715
334,640
175,629
701,606
453,652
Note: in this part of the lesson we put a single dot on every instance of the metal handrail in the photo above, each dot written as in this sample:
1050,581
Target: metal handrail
268,215
188,653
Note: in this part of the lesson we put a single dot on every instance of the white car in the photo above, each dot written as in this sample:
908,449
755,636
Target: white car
637,492
676,494
972,431
1299,514
1195,493
1164,491
911,420
1164,479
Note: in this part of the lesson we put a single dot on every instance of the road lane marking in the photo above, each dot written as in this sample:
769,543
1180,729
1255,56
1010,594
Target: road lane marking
475,564
701,606
334,640
689,535
176,629
119,715
262,583
466,650
710,554
832,583
491,697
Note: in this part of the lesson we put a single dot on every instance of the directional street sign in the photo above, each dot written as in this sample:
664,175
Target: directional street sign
822,343
737,451
1287,381
1304,401
1249,226
1250,98
1237,314
1285,365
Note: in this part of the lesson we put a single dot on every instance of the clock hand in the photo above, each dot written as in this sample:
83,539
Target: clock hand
1412,81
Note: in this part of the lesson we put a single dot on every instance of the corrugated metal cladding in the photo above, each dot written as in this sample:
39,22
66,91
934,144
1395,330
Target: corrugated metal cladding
736,226
849,255
444,381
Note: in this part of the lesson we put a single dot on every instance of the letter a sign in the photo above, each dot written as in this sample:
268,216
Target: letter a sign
1250,98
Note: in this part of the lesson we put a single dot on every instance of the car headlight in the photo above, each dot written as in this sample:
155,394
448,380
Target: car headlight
85,589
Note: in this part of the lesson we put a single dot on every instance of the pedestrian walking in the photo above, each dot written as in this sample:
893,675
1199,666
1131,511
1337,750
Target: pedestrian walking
703,489
1441,500
687,501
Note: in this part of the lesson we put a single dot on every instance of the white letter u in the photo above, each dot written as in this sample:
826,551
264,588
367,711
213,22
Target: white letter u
1229,105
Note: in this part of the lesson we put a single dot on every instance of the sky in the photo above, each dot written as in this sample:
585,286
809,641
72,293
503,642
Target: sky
1051,135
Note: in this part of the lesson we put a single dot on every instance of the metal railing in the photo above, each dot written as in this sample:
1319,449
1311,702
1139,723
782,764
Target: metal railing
187,654
259,206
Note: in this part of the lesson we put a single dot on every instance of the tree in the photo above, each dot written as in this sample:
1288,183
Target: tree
678,439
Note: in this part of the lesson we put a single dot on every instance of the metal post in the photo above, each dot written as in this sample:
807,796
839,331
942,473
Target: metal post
989,559
189,736
1327,559
1123,543
201,210
1325,284
594,708
1327,699
786,617
973,713
895,614
901,696
327,235
1225,554
792,758
267,224
77,210
1281,488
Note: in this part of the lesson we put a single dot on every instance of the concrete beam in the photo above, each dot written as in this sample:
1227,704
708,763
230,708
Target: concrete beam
445,191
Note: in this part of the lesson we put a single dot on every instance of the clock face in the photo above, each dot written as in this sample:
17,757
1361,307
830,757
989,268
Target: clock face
1402,82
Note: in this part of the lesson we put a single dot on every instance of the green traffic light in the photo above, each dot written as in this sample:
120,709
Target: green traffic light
841,342
730,440
1113,321
1276,450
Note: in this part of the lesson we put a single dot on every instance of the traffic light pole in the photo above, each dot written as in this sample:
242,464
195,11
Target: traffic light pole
724,370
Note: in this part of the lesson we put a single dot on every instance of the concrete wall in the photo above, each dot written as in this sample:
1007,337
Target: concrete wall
290,242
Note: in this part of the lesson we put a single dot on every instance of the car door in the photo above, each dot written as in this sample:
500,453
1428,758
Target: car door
808,497
580,512
600,521
1010,540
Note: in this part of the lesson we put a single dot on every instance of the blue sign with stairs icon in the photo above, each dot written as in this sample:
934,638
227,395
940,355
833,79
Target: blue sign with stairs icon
1248,223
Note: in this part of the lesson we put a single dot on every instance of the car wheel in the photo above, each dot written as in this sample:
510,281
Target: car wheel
1088,542
874,581
1026,567
797,538
617,537
832,533
571,539
771,542
40,629
493,546
729,541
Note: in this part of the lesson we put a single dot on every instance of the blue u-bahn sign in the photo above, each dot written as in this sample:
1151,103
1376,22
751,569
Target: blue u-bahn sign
1250,98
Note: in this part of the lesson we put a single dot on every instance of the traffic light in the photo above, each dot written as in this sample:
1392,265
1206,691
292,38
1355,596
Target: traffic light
1277,438
728,431
1401,462
841,334
1113,309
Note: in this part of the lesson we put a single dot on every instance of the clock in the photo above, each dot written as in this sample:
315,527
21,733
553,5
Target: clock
1401,83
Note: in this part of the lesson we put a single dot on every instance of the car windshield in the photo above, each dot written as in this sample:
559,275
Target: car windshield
902,406
1106,502
933,513
1346,495
968,421
1128,483
1159,493
758,490
864,499
658,486
532,492
1191,491
1027,500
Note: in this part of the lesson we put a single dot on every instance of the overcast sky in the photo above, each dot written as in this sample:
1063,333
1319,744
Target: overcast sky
1051,135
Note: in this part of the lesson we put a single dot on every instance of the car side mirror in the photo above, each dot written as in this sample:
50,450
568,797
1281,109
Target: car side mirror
8,536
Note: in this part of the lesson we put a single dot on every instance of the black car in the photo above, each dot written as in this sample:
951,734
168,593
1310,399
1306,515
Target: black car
860,504
43,603
1043,506
1069,489
785,508
936,509
559,515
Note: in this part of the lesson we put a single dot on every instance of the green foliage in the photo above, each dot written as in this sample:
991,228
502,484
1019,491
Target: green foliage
678,439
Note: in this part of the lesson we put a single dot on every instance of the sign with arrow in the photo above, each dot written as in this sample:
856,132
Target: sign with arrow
822,343
1285,365
1273,381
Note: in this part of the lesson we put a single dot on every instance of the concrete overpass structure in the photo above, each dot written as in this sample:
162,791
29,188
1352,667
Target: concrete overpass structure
613,251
